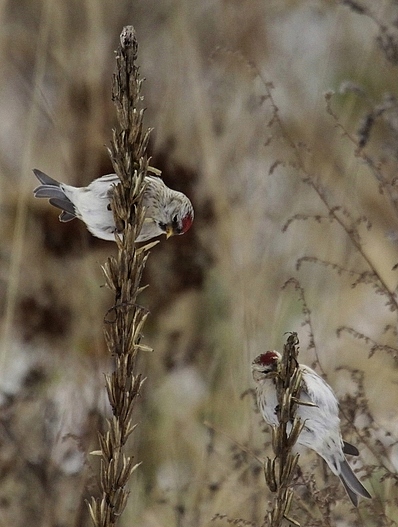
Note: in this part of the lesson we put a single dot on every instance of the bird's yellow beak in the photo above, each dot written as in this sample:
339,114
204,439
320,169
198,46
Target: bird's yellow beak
169,231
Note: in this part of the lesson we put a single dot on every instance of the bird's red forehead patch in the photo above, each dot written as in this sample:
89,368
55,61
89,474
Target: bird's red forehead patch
265,359
186,223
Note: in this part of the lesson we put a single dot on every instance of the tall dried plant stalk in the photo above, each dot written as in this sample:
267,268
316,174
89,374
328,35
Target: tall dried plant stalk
125,320
280,470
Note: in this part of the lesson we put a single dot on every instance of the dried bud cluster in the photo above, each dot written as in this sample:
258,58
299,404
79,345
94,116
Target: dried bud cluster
125,320
279,471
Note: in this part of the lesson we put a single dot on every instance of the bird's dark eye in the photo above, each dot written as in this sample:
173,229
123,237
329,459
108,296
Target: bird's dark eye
162,225
175,219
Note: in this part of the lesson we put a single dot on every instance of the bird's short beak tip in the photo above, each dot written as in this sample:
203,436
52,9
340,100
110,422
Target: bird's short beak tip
169,232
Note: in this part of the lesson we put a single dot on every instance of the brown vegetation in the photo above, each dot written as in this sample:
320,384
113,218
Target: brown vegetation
295,230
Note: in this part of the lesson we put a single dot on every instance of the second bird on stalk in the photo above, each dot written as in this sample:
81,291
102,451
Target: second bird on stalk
318,413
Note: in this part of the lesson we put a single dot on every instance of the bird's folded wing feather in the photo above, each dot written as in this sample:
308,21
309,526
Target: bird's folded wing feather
318,391
349,449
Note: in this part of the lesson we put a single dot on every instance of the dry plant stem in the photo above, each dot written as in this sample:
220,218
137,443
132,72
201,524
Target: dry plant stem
125,320
279,471
309,179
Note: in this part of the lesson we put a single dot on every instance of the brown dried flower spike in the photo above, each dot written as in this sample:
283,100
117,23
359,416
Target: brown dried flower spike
123,329
279,472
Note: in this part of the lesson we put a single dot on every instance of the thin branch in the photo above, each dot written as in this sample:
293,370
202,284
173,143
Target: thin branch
309,179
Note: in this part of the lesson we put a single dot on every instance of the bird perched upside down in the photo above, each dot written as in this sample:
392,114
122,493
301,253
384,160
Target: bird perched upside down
167,211
321,431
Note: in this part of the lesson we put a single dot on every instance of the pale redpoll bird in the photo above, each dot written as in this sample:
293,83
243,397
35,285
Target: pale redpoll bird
167,211
321,430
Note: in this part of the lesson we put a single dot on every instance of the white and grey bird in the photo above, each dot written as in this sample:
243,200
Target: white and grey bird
321,430
167,211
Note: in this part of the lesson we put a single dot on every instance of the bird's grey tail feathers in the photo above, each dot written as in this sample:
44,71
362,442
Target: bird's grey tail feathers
351,494
66,216
65,205
352,484
44,179
50,188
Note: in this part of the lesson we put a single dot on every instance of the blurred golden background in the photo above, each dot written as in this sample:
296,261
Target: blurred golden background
235,92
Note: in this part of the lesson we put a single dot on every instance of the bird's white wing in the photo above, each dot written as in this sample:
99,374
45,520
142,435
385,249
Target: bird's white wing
109,178
103,186
317,391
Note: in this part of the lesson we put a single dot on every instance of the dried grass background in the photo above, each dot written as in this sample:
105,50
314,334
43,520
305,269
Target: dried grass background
215,294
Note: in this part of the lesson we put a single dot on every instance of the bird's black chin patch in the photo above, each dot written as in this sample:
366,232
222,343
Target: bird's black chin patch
176,227
270,374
